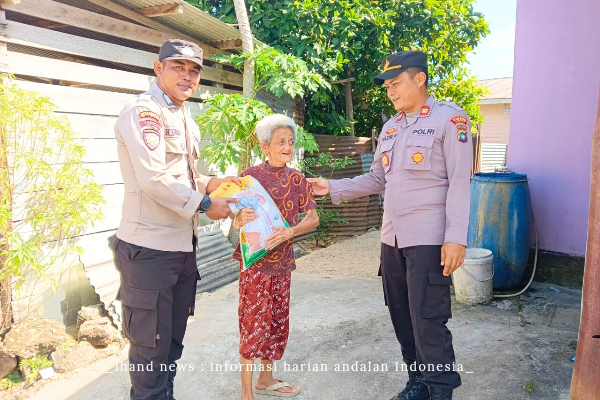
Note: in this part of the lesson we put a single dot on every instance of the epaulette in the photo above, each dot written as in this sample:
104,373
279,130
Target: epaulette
451,104
144,97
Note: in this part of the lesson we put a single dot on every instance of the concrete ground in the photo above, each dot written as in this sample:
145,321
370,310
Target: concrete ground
342,320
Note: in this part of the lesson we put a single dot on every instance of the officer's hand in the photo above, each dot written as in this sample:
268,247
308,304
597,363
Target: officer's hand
453,256
245,216
281,235
319,186
220,208
233,179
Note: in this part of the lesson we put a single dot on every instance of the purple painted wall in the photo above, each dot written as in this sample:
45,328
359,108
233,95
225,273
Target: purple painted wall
555,94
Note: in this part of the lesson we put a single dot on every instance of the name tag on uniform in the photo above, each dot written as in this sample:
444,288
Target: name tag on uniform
172,132
423,132
389,137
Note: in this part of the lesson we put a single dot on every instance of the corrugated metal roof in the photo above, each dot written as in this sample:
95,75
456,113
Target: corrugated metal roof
499,88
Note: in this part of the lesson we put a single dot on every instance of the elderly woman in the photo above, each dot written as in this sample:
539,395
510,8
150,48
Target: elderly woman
265,288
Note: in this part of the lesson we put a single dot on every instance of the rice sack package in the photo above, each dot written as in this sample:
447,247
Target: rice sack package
254,234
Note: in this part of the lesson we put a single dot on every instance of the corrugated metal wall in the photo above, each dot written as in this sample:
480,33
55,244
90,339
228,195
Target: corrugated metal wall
361,213
213,257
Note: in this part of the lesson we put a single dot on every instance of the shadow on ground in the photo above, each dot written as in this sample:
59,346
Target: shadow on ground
337,321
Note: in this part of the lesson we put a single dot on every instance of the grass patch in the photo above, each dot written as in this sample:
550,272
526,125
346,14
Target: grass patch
11,380
529,386
35,365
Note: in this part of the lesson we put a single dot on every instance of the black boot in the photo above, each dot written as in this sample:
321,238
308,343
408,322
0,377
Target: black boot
169,391
415,389
440,394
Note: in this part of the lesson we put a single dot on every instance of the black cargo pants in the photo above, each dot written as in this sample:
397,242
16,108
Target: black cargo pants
418,298
157,291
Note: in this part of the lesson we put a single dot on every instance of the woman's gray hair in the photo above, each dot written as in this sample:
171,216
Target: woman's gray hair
265,128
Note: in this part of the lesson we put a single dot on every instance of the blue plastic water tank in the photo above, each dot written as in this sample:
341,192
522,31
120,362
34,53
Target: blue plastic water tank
500,220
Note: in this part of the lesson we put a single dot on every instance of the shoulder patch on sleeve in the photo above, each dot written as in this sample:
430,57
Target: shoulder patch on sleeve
459,119
151,137
149,114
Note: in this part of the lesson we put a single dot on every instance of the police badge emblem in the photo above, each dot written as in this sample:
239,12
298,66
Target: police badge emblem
462,134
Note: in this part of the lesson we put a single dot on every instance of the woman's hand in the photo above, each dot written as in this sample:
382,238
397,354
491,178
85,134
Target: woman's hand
281,235
246,215
233,179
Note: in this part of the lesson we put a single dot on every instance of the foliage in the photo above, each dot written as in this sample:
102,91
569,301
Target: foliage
324,163
328,219
529,386
11,380
349,38
463,89
46,195
231,118
306,141
277,72
35,365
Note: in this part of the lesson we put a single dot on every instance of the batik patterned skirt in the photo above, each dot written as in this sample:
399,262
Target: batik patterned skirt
264,311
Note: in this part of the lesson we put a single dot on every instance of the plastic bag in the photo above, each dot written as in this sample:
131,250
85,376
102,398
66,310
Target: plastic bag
254,234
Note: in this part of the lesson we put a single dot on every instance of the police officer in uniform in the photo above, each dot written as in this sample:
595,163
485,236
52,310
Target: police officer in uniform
423,161
154,246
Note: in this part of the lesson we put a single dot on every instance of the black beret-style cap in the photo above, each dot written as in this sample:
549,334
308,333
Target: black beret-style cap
176,49
395,63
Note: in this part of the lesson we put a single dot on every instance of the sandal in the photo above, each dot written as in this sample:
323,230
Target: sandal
272,390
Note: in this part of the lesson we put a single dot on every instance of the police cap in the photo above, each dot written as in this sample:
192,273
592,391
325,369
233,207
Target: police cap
396,63
176,49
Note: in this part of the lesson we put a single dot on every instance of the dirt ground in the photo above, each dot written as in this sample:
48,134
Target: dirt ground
342,258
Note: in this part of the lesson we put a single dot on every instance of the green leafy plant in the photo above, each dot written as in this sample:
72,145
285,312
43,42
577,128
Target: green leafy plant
349,38
277,72
529,386
35,365
325,164
46,196
11,380
231,118
230,121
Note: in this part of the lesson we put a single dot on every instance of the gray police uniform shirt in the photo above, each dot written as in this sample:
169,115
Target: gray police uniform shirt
424,166
163,188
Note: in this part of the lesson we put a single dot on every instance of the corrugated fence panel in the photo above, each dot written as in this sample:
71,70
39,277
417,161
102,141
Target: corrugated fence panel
361,213
215,265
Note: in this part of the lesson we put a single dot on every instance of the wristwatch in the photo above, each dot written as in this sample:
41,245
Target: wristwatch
205,204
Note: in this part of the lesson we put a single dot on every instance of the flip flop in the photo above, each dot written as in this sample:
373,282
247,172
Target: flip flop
272,390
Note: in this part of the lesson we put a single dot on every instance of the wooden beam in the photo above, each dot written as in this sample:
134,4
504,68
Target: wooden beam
48,24
91,102
73,16
158,11
30,36
41,67
227,44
